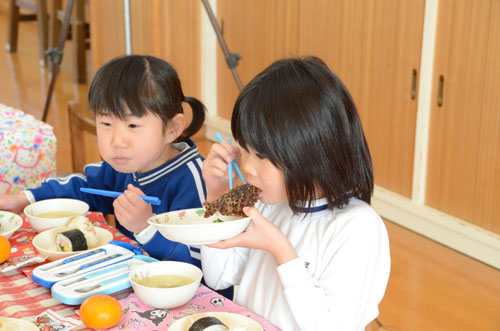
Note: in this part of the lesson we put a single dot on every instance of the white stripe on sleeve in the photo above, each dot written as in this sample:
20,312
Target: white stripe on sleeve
197,181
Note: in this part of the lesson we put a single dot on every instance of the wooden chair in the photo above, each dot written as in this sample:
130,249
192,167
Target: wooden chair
79,123
38,9
79,34
49,17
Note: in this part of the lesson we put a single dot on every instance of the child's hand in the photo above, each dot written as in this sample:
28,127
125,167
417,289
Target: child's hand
215,171
14,203
131,210
263,235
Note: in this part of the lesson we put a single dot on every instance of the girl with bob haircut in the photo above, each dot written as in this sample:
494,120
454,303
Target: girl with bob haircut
146,150
317,256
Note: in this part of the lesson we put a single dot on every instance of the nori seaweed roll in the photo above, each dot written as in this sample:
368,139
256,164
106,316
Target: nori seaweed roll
71,241
83,224
208,324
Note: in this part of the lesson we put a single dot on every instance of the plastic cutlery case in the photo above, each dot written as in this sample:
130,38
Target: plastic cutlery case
76,265
108,280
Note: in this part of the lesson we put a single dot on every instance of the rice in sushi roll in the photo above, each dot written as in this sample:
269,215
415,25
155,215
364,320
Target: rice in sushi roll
71,241
83,224
208,324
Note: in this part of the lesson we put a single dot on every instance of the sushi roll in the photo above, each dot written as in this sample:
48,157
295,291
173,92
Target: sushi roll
71,241
83,224
208,324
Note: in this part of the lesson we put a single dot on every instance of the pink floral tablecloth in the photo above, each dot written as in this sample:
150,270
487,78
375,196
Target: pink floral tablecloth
139,316
22,298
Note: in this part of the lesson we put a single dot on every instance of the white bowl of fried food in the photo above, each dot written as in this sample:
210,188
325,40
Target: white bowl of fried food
9,223
216,321
219,220
78,236
165,284
52,213
190,227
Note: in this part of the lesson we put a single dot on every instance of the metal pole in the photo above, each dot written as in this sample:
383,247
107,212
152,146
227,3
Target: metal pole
128,34
55,56
231,58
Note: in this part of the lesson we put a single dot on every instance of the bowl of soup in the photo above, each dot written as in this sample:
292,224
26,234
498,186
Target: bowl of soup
165,284
52,213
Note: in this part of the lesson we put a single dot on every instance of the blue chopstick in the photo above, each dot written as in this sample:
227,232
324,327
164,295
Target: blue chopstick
152,200
230,170
235,165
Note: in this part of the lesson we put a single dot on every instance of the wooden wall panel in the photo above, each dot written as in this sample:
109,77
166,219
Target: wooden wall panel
373,48
170,30
464,153
261,31
107,36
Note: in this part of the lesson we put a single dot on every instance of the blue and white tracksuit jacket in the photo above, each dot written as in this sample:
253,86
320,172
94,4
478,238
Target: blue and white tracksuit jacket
178,183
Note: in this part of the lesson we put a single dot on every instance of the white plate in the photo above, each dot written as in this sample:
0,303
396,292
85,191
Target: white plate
16,324
190,227
45,243
232,321
9,223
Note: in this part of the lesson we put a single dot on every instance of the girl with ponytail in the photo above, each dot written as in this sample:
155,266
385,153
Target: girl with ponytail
144,143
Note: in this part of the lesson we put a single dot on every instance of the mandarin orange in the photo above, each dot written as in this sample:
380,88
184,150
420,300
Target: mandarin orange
4,249
100,312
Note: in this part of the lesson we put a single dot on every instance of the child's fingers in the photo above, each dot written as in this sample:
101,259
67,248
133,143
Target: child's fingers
135,189
224,150
243,239
130,198
217,167
119,203
254,214
133,193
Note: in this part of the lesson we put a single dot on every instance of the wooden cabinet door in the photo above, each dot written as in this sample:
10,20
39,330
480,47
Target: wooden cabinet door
374,47
261,31
464,150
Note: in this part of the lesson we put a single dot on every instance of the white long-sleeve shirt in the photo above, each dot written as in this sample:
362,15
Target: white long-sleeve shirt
337,281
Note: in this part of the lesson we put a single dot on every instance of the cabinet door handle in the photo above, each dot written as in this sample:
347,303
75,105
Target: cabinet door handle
414,84
440,91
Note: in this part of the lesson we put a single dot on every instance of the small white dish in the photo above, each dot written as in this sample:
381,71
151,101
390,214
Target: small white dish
45,243
40,224
231,320
7,323
190,227
9,223
166,297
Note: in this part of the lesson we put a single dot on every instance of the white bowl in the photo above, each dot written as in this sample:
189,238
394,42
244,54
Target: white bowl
190,227
165,298
231,320
8,323
40,224
9,223
45,243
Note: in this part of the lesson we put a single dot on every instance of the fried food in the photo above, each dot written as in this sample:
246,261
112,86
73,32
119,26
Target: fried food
231,203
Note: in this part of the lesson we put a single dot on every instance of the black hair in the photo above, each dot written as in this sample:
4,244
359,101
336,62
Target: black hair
299,115
137,84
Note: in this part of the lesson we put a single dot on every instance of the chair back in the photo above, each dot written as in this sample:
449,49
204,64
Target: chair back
79,123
